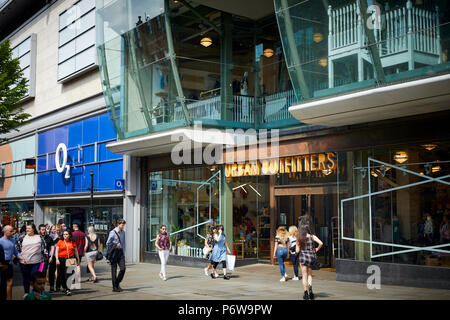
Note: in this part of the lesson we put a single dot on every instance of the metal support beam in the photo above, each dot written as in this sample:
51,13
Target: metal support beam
293,49
172,57
372,46
202,18
226,67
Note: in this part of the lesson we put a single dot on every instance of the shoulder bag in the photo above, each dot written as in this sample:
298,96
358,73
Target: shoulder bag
70,262
315,264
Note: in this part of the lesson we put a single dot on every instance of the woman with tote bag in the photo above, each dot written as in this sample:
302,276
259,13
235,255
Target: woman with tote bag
66,256
219,253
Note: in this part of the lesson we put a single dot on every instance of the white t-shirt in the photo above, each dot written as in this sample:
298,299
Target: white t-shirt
31,249
292,241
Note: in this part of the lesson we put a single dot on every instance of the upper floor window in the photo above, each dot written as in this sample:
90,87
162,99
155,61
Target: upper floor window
76,51
26,53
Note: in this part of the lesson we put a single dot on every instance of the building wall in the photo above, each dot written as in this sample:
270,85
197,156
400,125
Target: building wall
51,95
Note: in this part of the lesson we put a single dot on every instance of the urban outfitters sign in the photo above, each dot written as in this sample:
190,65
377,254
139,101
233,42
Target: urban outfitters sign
306,163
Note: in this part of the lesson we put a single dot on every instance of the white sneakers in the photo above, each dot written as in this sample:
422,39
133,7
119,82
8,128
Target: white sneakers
206,271
164,278
295,278
283,279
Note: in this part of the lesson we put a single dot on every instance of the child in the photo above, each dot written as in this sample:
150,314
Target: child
38,284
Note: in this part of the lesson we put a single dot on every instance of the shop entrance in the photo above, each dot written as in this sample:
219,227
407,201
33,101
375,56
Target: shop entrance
318,208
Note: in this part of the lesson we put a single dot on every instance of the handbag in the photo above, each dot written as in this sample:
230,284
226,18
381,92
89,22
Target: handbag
99,256
71,262
315,264
231,260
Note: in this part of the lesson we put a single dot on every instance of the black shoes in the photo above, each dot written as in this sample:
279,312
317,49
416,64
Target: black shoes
311,294
52,289
306,296
226,277
119,289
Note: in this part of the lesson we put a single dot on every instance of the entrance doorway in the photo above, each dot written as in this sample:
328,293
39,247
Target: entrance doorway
319,209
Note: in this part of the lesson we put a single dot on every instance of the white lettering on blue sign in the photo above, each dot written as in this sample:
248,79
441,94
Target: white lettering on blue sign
60,167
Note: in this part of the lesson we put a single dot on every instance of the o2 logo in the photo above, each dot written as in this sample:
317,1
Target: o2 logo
60,167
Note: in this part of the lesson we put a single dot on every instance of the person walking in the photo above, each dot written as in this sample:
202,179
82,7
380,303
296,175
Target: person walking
80,239
219,253
91,250
280,250
48,245
10,253
52,232
116,240
293,233
164,246
3,270
210,242
52,267
32,249
66,254
307,255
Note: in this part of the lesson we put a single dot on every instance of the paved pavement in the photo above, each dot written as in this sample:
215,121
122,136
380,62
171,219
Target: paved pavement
258,282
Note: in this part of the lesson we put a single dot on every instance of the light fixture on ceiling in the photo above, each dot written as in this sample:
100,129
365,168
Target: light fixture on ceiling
429,146
435,169
317,37
206,41
323,62
401,156
419,2
268,52
374,173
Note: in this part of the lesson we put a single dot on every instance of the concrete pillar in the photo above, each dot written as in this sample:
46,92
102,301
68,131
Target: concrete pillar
227,210
226,67
131,206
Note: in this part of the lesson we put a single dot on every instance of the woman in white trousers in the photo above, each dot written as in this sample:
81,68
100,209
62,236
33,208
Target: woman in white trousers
164,245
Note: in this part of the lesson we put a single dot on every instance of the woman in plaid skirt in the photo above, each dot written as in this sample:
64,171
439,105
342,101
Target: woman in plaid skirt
306,255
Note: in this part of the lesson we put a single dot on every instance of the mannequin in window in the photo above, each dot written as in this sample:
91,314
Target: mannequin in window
244,92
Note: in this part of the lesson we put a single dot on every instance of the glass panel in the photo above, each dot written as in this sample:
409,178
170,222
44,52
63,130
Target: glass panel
25,60
85,58
24,47
85,40
334,47
66,35
173,202
66,51
86,22
66,68
85,5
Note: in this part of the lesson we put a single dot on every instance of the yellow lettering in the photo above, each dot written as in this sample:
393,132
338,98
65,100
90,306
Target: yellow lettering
288,164
307,164
254,171
265,167
273,166
227,170
330,157
240,169
299,164
281,165
234,170
293,166
314,162
322,160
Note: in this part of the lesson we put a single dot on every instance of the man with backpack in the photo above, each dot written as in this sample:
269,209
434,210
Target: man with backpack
116,254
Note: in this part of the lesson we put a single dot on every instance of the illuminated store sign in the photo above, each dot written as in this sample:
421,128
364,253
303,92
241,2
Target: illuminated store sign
305,163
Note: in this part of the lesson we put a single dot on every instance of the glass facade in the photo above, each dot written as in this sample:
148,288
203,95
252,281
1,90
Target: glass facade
16,213
158,75
395,208
333,47
187,201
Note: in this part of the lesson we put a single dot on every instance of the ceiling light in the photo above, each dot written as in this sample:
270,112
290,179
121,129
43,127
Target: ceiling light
317,37
429,146
323,62
206,42
401,156
436,169
268,53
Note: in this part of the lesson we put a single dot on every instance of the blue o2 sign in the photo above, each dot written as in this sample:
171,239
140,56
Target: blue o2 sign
120,184
69,153
60,167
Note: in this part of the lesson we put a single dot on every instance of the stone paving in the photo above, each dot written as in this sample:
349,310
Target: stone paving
258,282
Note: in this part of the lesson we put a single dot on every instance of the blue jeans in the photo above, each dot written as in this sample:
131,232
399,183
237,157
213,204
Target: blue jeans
294,260
281,256
27,271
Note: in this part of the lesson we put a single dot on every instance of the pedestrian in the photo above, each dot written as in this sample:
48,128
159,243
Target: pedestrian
52,232
48,246
429,229
164,246
281,251
52,267
307,255
116,240
91,250
444,230
293,233
31,248
38,292
80,239
8,244
66,255
16,234
219,253
3,271
210,242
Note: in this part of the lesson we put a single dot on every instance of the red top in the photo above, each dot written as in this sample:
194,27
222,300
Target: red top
80,239
66,248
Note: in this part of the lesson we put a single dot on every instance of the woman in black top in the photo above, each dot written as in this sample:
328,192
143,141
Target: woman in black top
90,251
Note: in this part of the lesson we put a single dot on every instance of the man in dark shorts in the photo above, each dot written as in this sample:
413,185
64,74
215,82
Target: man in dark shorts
10,253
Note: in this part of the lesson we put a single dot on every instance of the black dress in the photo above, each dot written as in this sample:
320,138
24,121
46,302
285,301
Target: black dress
307,256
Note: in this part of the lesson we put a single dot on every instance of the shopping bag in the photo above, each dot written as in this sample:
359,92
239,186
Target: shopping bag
231,260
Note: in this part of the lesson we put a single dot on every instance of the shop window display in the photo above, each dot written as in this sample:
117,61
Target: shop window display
17,214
